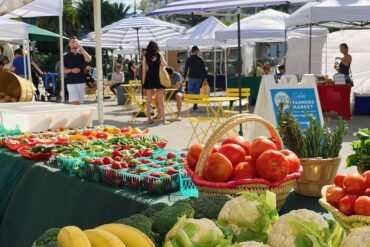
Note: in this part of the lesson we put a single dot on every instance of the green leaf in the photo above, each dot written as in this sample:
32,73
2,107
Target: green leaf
352,160
307,231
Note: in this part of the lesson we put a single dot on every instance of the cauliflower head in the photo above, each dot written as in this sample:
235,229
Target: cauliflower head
249,217
250,244
284,231
360,237
194,232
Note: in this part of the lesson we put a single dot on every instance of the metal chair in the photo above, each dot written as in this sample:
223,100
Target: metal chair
201,125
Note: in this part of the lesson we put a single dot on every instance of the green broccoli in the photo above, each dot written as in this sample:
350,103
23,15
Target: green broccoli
209,206
164,220
140,222
151,210
48,236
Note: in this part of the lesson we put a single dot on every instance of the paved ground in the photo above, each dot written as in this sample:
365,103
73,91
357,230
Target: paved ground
179,133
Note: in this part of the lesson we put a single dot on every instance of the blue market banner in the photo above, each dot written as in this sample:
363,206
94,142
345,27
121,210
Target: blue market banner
303,101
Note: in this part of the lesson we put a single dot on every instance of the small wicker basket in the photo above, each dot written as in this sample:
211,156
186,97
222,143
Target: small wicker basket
347,222
316,174
234,188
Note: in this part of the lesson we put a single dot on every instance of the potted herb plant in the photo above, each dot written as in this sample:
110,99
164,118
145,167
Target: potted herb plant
318,148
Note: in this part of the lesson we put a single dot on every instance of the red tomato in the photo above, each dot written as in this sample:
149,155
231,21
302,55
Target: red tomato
260,145
294,161
334,194
272,166
367,178
233,152
248,159
275,141
193,155
218,168
354,184
367,192
244,170
347,204
338,180
239,141
362,206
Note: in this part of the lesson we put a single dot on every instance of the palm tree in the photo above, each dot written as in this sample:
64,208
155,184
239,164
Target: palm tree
70,25
111,12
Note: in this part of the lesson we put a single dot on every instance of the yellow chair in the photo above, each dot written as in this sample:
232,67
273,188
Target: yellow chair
90,94
201,125
234,92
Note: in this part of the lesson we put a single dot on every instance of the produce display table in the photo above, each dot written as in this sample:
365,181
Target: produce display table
35,197
335,98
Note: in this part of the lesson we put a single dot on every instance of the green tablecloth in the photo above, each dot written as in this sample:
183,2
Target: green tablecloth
11,171
45,198
247,82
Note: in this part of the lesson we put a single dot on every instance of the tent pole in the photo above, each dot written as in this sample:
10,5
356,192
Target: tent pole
239,70
99,58
61,59
226,67
29,61
310,50
214,70
285,47
326,57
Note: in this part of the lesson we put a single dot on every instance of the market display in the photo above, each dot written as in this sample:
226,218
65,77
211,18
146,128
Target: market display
127,157
248,220
361,157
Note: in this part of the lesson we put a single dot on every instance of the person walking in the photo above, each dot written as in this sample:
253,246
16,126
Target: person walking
19,63
151,63
195,71
74,70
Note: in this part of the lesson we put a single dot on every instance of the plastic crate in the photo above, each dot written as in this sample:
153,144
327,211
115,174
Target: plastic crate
133,178
69,165
111,176
187,187
362,104
90,172
161,185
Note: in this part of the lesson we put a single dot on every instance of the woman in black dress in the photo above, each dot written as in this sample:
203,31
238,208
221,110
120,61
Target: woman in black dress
150,76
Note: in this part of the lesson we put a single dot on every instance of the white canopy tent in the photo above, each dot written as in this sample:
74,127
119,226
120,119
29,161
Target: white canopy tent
11,30
202,34
357,41
265,26
269,26
40,8
330,13
10,5
333,13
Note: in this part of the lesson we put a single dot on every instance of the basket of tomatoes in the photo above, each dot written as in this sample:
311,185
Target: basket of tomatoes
236,165
348,200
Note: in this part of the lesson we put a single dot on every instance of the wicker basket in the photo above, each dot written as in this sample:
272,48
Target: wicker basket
347,222
16,86
316,174
234,188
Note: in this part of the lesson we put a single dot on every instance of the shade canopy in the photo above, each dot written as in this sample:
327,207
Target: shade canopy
11,30
202,34
195,6
39,34
145,28
37,8
332,13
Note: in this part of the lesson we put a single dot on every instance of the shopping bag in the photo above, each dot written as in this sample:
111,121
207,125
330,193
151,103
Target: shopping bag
205,87
164,77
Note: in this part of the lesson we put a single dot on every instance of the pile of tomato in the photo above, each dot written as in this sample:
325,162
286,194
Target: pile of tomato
236,159
351,193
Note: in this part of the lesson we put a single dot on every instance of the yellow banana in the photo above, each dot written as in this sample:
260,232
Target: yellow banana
101,238
72,236
130,236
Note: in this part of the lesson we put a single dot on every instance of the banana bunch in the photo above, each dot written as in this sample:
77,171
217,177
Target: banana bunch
109,235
